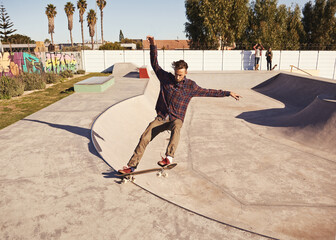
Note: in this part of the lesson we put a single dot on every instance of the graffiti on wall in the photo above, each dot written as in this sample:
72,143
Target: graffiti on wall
12,64
59,62
31,64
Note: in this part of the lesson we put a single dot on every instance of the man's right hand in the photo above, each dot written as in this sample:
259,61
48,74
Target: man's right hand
151,40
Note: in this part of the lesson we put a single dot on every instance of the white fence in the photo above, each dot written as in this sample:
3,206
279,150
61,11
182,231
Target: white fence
212,60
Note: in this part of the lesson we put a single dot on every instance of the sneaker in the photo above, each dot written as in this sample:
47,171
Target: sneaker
164,162
126,170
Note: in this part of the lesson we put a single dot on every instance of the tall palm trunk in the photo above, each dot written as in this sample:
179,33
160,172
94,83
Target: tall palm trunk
70,28
101,23
82,30
69,9
51,28
51,13
52,38
101,4
71,38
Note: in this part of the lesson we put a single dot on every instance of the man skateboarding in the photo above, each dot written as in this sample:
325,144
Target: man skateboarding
175,94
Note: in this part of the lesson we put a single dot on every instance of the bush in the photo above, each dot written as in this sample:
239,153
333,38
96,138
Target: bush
66,74
111,46
10,87
32,81
51,78
80,71
75,48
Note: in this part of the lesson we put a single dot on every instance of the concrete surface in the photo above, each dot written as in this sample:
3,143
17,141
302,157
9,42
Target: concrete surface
238,177
262,164
94,84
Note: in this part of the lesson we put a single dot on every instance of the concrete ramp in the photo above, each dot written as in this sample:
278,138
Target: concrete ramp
121,69
308,114
296,91
234,165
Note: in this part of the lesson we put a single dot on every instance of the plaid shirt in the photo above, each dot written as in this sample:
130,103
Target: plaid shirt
174,97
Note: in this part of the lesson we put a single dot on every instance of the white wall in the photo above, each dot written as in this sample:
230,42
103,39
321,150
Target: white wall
211,60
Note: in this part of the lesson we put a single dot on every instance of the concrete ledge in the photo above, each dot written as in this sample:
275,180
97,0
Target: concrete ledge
94,84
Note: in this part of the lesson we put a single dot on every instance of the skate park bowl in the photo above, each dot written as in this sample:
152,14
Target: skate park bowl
265,164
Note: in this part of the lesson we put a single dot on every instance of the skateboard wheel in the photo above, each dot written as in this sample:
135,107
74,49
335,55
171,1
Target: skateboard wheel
165,174
124,181
159,174
132,179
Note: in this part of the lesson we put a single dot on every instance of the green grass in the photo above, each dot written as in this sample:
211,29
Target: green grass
15,109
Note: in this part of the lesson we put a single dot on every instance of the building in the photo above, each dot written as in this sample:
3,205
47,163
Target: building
168,44
129,46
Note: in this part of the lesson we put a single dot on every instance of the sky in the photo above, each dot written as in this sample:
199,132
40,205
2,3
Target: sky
163,19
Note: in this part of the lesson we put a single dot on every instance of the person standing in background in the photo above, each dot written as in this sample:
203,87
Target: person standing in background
258,49
269,57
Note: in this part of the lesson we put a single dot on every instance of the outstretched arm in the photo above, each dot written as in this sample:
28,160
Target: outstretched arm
160,73
153,54
203,92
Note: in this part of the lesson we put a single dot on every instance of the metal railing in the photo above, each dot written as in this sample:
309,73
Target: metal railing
292,66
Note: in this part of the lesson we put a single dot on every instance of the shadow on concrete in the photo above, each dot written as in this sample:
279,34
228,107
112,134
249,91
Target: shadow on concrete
114,175
268,117
83,132
108,70
132,75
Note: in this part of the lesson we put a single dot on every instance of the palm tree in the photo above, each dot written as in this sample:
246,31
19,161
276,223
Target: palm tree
51,13
92,20
81,5
69,9
101,4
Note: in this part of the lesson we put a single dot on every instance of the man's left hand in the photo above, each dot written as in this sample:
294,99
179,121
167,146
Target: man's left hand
235,96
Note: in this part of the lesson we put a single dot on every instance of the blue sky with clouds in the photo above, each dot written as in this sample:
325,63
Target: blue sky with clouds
162,19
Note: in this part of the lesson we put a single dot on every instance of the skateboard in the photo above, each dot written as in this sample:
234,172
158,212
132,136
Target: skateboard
274,67
161,171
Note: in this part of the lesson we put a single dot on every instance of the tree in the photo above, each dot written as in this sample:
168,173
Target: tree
18,38
265,23
121,36
214,23
69,9
111,46
81,5
51,13
319,23
295,31
101,4
92,20
5,24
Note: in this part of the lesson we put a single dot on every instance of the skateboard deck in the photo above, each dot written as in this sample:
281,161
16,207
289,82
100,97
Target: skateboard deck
160,172
274,67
